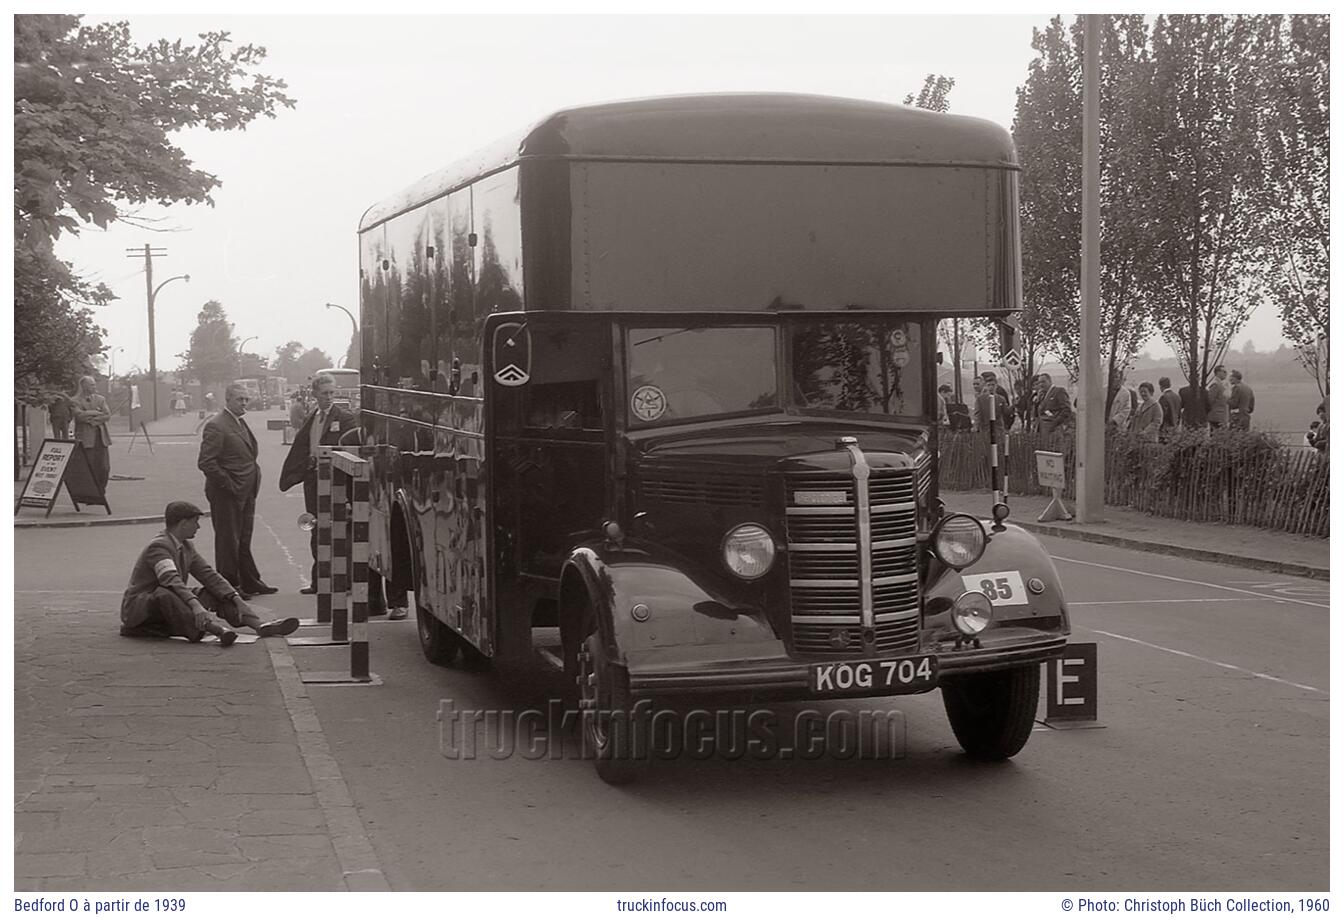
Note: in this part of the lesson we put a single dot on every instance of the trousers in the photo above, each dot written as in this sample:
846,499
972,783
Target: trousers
232,518
169,615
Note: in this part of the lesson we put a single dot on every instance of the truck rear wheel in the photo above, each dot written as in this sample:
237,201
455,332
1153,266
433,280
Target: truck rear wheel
992,713
439,643
614,730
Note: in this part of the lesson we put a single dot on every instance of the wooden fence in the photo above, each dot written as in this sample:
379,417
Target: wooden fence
1208,480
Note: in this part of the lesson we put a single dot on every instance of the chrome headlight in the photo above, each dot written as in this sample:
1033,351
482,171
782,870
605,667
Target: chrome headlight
749,551
972,612
959,540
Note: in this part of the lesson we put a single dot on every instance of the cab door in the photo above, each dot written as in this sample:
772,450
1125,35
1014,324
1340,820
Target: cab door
548,458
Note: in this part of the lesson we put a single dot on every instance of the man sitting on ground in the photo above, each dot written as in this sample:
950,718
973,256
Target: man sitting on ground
158,603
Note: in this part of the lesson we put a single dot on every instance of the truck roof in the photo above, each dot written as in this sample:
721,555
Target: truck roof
728,128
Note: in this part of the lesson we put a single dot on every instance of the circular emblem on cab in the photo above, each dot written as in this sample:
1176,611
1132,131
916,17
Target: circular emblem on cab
648,404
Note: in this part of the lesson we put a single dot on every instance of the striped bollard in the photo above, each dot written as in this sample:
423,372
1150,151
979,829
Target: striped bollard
349,559
324,535
359,572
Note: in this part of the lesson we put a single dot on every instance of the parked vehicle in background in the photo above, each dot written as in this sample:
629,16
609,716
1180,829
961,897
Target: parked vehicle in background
662,373
273,392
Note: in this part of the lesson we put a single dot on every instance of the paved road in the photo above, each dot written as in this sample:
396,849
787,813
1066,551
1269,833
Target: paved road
1211,771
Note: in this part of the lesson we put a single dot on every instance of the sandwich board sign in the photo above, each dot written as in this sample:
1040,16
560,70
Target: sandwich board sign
61,463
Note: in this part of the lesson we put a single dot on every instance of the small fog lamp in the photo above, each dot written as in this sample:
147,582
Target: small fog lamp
307,521
972,613
749,551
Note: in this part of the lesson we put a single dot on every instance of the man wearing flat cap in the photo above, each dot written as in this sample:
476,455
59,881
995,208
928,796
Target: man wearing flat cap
158,603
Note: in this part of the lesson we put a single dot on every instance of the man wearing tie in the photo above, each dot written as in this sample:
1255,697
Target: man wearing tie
228,459
324,425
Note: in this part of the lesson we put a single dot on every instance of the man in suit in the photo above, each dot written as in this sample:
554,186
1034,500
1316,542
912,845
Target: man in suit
1053,409
1218,393
158,603
1171,405
228,458
1241,403
324,425
91,418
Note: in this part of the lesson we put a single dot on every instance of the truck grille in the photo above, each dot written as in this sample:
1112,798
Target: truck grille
825,567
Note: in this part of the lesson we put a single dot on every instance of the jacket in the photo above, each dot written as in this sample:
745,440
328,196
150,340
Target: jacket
1218,414
1242,399
166,563
228,457
1053,410
297,465
1171,408
1147,419
91,417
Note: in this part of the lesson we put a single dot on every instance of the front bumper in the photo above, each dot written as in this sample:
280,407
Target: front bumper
770,672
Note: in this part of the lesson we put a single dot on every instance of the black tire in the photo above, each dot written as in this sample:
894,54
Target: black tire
439,643
614,730
992,713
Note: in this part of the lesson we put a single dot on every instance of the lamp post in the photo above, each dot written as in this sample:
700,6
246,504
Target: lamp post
153,292
241,345
353,325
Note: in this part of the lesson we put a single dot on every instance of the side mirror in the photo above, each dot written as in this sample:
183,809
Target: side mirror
511,354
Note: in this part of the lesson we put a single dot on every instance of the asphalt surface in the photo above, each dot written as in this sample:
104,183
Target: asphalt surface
1210,770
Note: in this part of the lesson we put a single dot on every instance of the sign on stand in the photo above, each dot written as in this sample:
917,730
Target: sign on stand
1050,474
57,463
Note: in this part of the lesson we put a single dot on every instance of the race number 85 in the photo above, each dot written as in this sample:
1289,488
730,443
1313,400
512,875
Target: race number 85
1003,588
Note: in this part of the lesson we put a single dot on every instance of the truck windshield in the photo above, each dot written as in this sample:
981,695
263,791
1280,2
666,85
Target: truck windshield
870,367
677,373
684,372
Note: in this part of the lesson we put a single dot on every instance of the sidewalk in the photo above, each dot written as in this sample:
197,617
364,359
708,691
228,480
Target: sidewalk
158,765
145,477
1249,547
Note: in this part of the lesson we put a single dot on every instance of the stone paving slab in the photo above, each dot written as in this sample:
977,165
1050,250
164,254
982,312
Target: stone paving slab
144,765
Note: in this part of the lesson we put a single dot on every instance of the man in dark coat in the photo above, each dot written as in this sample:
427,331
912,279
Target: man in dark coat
158,603
1241,403
324,425
228,458
1171,404
1054,412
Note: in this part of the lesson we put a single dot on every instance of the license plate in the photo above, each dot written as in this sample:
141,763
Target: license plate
881,677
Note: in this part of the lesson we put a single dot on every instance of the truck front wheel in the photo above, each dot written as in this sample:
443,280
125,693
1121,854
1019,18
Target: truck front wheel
992,713
615,730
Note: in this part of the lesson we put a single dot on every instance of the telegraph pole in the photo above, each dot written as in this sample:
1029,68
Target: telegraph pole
1090,468
148,254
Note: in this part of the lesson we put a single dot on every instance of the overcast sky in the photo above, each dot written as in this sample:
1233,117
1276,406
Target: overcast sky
384,100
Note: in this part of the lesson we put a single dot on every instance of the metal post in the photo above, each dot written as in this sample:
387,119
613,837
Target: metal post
349,477
340,558
324,535
149,298
1091,443
359,574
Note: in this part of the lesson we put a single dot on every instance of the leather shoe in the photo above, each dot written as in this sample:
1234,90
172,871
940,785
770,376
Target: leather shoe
262,588
278,627
311,589
227,638
244,594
